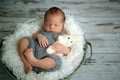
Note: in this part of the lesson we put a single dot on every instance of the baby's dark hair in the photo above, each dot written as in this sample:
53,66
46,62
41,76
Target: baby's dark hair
54,10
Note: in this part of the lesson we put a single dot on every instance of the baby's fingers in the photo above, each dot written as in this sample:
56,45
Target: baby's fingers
43,43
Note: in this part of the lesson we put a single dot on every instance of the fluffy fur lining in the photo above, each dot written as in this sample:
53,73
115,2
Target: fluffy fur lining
12,60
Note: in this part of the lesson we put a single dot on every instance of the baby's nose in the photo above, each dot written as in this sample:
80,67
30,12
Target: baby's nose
52,26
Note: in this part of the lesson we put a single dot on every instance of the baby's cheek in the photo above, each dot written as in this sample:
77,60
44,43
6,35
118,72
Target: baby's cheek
59,30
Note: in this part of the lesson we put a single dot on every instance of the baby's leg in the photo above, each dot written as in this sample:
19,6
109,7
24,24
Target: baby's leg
45,63
22,46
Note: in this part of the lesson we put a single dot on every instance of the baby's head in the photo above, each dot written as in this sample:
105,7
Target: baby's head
54,20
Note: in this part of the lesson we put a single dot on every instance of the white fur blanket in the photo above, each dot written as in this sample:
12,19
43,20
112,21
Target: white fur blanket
11,59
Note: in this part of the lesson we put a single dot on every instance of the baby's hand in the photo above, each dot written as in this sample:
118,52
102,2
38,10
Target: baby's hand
60,49
43,42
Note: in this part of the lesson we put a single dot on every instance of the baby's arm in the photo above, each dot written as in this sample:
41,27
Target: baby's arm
59,48
35,34
41,38
43,41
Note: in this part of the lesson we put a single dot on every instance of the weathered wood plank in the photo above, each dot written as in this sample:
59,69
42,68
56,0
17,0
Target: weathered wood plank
73,4
102,29
108,46
97,19
106,49
102,66
84,10
103,36
107,43
84,0
13,20
97,75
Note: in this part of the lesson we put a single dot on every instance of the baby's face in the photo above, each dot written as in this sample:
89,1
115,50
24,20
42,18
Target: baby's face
53,23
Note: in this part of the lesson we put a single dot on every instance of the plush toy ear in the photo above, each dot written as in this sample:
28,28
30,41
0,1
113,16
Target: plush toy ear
76,37
60,37
68,32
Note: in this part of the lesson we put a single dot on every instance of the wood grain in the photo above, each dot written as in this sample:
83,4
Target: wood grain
99,19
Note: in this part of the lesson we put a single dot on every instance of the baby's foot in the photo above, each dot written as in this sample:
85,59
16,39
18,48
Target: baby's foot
29,56
28,69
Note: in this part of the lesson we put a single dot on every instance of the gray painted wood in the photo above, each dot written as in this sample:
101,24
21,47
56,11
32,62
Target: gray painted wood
102,67
99,19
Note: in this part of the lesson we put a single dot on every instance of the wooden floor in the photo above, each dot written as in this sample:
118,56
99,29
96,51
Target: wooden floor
99,19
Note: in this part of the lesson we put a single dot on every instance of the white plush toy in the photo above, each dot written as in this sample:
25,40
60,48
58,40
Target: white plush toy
66,40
